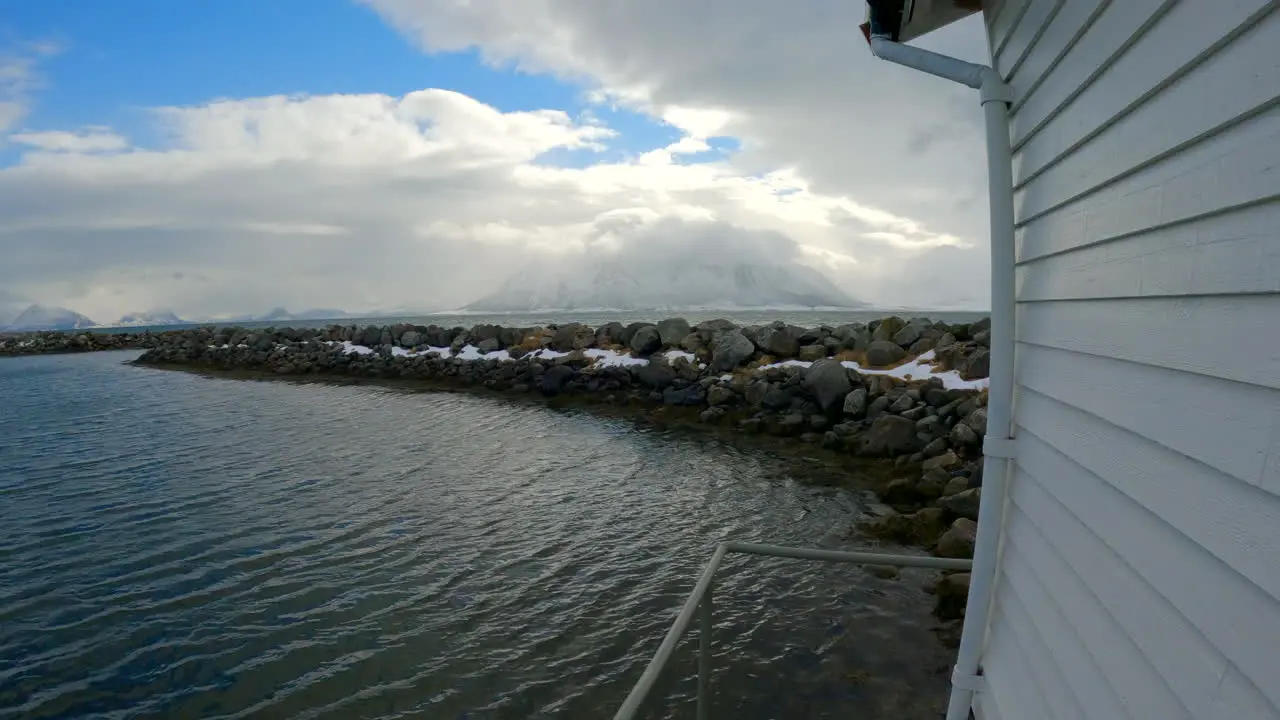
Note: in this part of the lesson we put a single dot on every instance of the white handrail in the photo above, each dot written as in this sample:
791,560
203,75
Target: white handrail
702,595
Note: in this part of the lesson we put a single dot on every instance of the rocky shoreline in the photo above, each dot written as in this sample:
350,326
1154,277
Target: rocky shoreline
909,394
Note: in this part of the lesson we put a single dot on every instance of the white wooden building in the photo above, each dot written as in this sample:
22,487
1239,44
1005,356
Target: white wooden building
1138,571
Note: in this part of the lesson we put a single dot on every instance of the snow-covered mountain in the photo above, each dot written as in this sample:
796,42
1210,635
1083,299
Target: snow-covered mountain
280,314
613,284
40,317
149,319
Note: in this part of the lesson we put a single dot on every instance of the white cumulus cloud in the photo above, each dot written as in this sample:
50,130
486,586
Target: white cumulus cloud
429,200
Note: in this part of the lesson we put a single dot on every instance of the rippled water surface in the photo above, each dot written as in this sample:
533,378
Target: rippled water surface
181,546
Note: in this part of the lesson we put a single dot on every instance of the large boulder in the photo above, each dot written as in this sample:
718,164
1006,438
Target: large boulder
963,504
780,342
855,403
646,341
570,337
887,328
672,331
976,366
411,338
882,353
854,336
609,334
952,593
556,379
732,349
656,375
890,435
958,540
691,395
828,382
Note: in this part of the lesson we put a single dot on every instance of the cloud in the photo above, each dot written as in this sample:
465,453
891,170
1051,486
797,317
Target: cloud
85,141
20,78
794,83
430,199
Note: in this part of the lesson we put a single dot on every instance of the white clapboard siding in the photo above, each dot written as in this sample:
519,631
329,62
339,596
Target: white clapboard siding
1140,570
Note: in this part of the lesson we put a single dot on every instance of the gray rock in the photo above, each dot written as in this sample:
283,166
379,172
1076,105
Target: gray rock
609,334
692,395
877,406
977,365
570,337
720,395
756,392
955,485
963,504
779,342
629,332
646,341
907,336
964,436
945,461
946,341
952,593
935,447
828,382
890,435
887,328
977,420
776,399
731,350
411,339
556,379
958,540
902,404
855,403
811,353
882,353
656,375
932,484
673,330
489,345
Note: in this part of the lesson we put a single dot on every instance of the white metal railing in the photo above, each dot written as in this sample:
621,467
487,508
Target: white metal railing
701,597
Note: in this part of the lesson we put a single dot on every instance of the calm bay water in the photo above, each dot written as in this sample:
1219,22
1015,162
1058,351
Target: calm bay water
180,546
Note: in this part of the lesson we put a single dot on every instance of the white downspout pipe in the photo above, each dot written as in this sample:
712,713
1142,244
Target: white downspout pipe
998,444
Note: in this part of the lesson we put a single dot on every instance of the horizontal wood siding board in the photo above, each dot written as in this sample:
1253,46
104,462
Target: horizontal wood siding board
1236,252
1230,337
1231,520
1018,22
1034,23
1119,26
1076,158
1016,688
1238,698
1235,616
1113,677
1230,171
1223,424
1068,26
1188,663
1046,665
1006,20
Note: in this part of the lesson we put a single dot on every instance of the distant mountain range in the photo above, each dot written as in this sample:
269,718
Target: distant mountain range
42,317
148,319
657,285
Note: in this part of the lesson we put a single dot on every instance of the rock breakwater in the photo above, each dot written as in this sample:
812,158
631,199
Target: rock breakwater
906,393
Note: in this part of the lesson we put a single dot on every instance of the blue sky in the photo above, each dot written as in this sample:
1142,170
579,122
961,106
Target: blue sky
119,58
